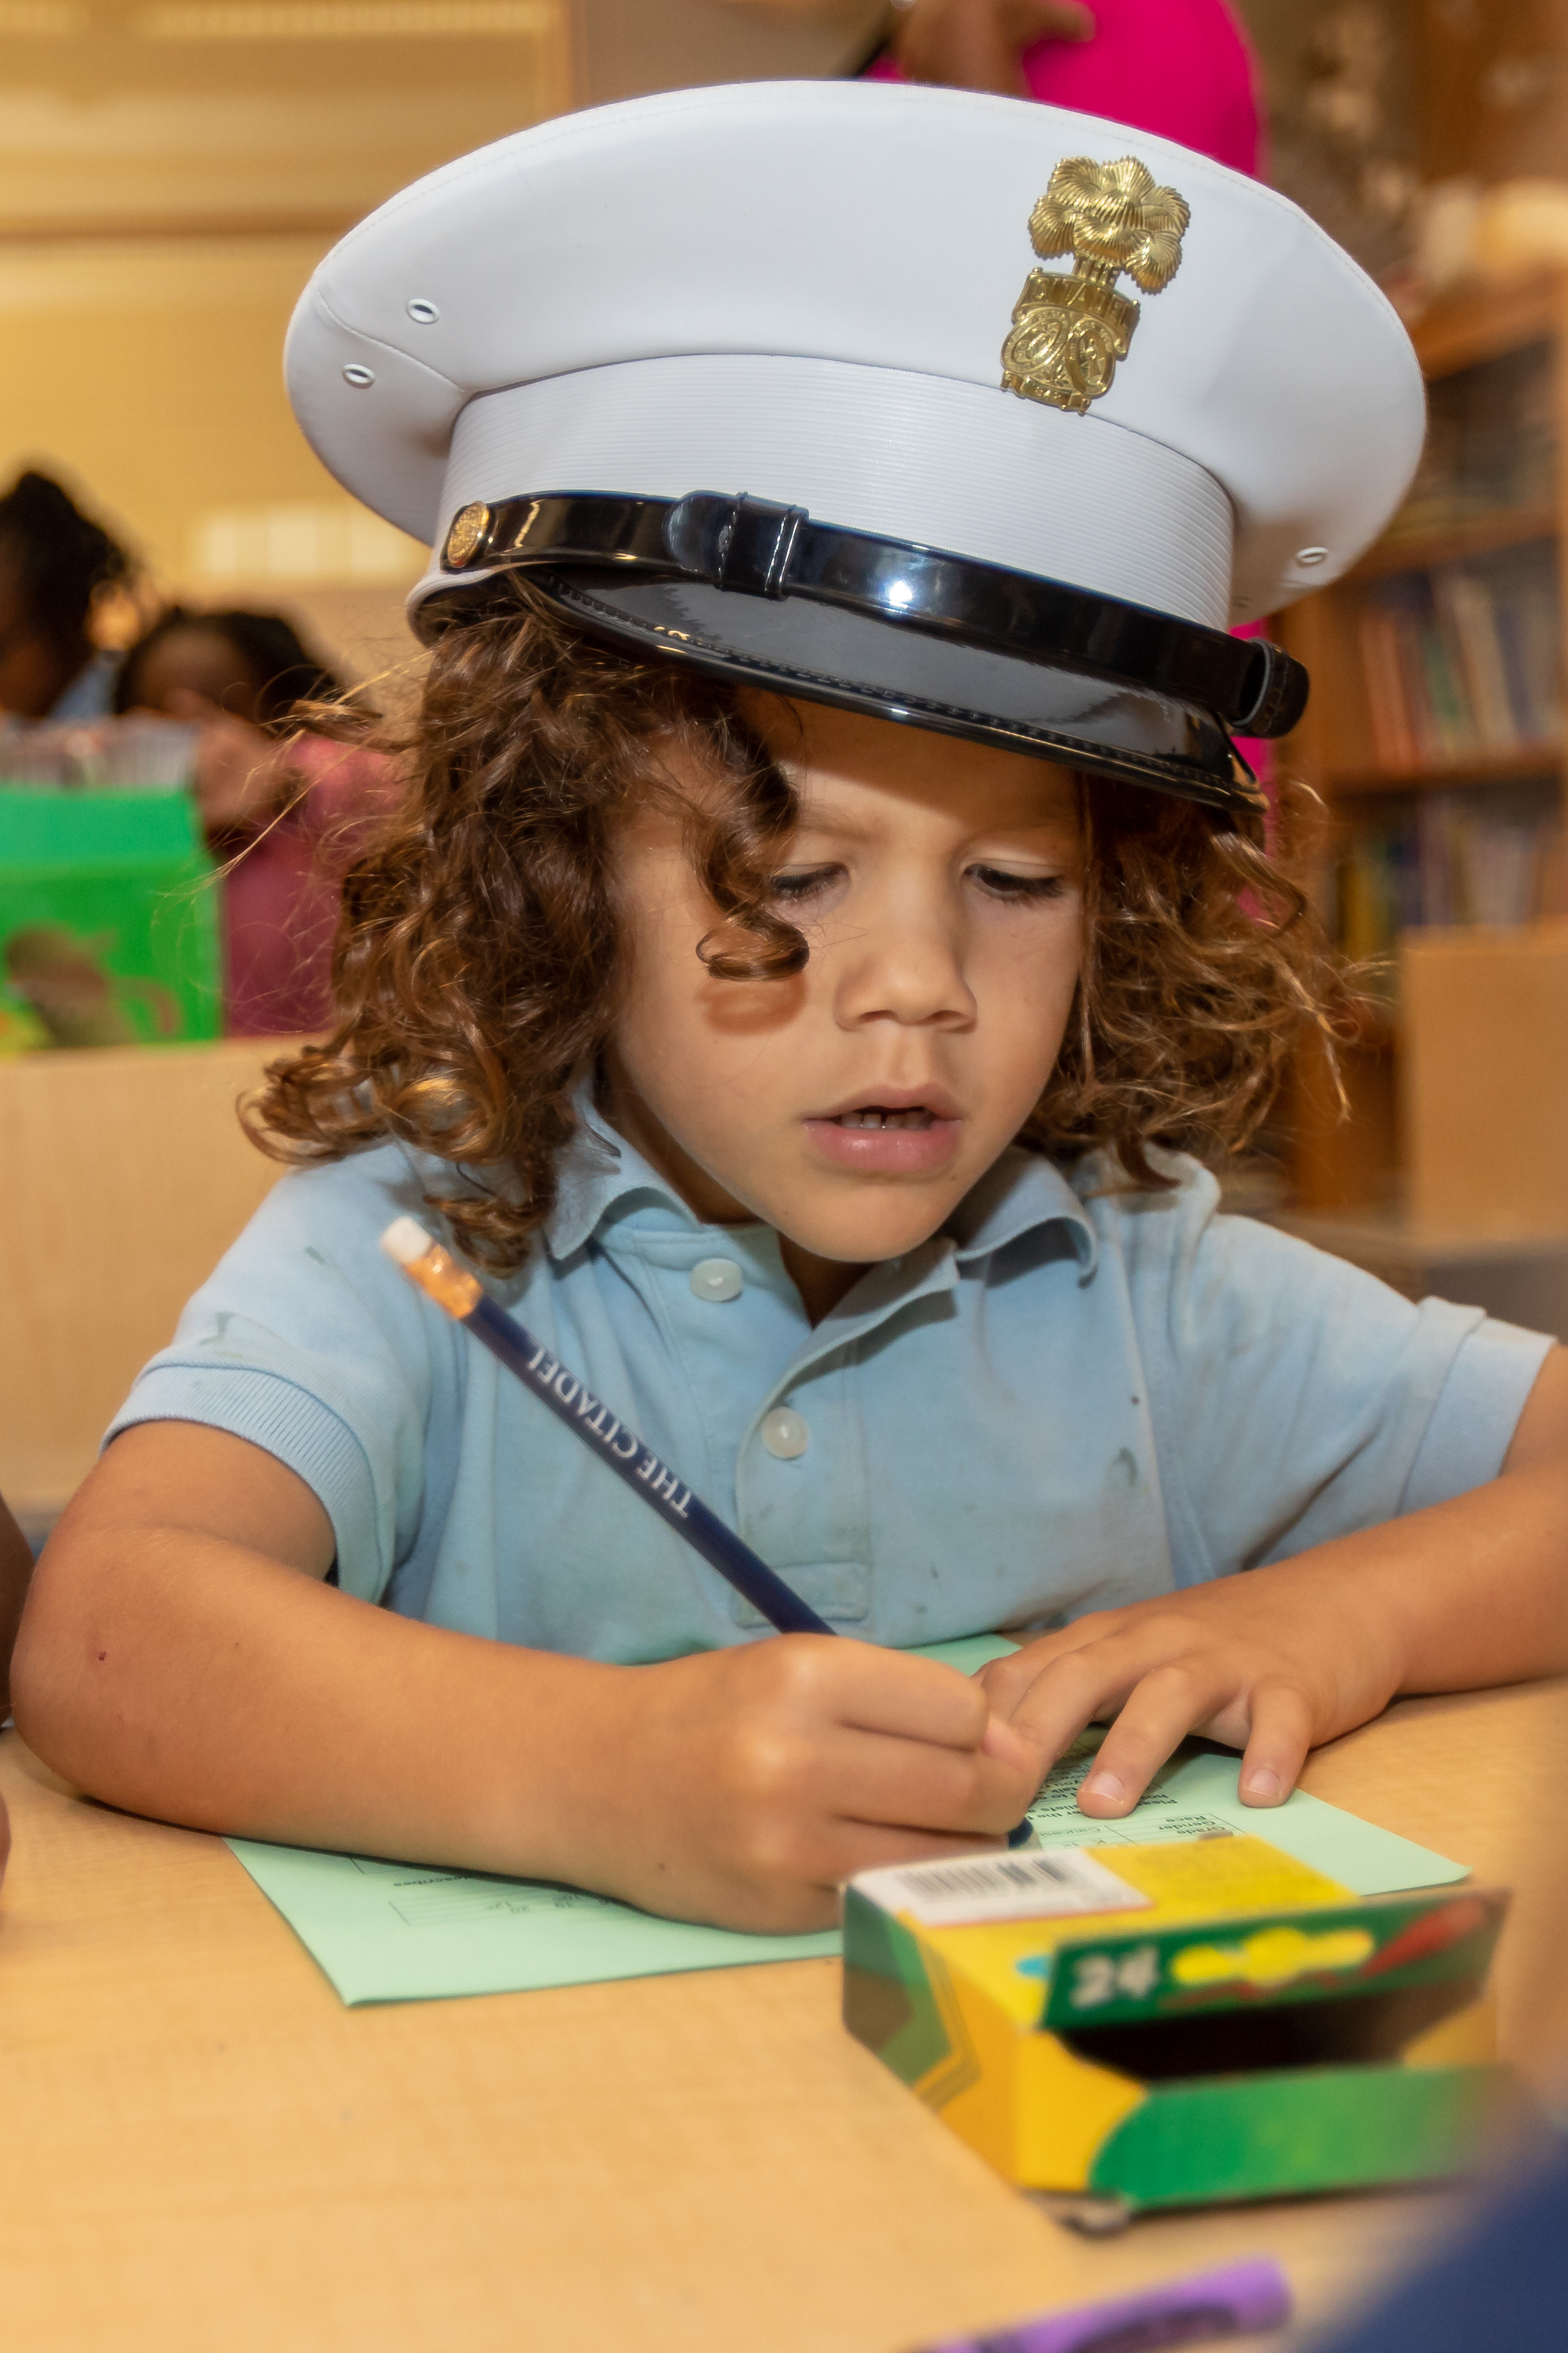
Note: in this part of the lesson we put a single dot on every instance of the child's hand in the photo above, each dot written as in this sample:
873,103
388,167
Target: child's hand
975,44
1271,1662
742,1785
244,776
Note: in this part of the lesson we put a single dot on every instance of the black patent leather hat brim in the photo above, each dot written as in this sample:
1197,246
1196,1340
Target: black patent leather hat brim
854,662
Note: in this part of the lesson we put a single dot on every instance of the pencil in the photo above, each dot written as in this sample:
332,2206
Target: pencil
435,1272
439,1275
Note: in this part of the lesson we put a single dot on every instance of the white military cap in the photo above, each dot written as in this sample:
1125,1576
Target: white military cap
974,413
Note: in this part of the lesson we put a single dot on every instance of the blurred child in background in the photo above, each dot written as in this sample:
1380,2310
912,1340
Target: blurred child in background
284,812
55,564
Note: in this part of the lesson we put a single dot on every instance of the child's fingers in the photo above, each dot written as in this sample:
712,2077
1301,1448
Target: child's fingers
1277,1744
1163,1708
1057,20
1007,1681
184,702
890,1692
916,1785
1073,1686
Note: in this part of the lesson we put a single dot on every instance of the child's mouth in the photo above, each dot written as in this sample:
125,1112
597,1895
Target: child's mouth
887,1139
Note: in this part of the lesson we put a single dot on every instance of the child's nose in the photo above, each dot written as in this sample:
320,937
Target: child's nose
907,966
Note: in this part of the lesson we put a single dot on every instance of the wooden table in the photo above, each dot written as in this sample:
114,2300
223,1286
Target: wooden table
200,2148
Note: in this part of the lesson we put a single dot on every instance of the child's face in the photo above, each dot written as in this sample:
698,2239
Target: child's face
938,884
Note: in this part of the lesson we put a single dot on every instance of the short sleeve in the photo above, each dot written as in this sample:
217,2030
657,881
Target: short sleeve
1294,1397
306,1342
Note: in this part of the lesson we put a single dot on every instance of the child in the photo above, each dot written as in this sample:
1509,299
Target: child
816,919
56,567
283,811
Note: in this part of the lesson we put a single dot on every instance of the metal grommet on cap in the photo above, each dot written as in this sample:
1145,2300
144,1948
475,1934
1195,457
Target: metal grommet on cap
1310,556
358,377
468,536
785,1433
422,313
717,1279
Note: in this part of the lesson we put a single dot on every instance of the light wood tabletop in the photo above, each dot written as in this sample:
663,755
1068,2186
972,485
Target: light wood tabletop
201,2148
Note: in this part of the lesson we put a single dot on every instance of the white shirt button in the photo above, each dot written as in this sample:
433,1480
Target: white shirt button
717,1278
785,1433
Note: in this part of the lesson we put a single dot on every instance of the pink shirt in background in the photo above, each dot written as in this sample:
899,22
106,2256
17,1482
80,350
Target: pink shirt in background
1180,69
280,894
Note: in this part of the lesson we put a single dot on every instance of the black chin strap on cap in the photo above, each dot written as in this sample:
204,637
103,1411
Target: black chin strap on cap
752,548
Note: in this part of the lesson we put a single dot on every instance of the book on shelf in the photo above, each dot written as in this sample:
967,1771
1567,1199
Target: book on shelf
1449,860
1491,444
1463,660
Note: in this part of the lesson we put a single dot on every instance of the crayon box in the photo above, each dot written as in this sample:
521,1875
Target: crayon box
1208,2020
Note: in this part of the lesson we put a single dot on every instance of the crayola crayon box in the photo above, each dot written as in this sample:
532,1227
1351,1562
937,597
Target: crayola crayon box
1201,2021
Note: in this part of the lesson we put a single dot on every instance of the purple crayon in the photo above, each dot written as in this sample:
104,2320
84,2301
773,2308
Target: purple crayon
1233,2302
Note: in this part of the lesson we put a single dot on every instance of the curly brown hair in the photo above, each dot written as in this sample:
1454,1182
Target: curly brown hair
479,964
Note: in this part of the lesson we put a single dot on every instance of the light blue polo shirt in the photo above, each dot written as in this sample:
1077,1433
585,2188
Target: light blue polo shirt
1076,1397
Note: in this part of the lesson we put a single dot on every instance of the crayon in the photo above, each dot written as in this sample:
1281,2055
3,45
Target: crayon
1233,2302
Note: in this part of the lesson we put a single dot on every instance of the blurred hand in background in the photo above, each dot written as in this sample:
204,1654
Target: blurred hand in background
978,44
244,776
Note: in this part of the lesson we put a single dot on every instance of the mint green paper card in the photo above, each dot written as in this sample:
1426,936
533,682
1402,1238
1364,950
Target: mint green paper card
1196,1796
403,1932
408,1932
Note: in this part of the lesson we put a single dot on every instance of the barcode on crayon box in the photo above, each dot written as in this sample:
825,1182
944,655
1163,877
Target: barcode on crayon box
979,1887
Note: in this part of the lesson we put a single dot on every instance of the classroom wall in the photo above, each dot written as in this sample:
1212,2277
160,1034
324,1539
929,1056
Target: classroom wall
146,370
169,177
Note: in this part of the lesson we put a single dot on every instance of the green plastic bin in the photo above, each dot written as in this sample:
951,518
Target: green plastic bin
109,919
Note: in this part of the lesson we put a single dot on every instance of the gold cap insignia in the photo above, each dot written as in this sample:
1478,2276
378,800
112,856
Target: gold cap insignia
1068,332
470,528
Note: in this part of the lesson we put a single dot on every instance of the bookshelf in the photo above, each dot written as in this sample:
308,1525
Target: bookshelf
1435,734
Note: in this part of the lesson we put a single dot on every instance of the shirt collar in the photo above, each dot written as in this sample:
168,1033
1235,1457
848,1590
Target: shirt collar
1019,1192
601,1172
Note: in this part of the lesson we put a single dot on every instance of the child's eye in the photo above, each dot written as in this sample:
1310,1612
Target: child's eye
1003,885
807,882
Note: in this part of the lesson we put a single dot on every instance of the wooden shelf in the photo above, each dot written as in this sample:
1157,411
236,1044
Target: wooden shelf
1530,760
1460,330
1486,534
1389,1235
1377,1154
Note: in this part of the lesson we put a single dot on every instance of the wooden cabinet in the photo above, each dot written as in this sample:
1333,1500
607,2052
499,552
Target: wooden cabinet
124,1176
